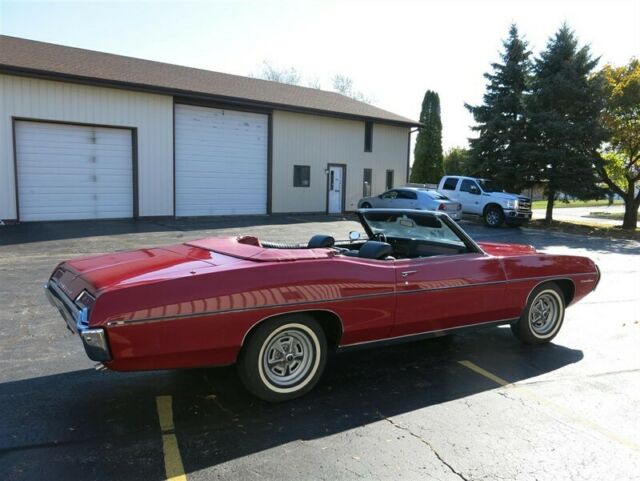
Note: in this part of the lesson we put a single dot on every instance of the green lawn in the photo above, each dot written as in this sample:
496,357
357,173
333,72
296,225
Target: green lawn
586,229
542,204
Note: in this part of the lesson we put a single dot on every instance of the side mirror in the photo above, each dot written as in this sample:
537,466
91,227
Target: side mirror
354,235
474,190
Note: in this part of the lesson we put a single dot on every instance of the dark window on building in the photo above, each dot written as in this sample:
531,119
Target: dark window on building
366,182
450,183
389,180
469,186
368,136
301,176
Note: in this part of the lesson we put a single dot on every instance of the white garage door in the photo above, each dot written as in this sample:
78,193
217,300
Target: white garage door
221,162
73,172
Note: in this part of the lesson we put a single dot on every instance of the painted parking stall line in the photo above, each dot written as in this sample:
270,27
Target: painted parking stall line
173,466
585,422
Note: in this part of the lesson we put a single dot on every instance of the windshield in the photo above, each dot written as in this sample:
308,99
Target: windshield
490,186
436,195
411,226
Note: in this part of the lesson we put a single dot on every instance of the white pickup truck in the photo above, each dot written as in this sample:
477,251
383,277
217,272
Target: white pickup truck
483,198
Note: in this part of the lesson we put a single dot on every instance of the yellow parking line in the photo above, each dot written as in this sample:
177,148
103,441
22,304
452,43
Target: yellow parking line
555,407
485,373
172,460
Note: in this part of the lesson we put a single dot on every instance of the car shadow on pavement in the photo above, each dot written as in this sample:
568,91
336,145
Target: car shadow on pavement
104,425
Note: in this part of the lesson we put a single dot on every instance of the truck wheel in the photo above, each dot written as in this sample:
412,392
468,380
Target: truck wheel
284,358
494,217
542,317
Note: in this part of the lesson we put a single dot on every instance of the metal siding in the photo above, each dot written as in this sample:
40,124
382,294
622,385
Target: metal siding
70,172
221,161
151,114
302,139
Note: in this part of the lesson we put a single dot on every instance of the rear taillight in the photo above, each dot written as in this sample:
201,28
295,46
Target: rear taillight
85,300
57,274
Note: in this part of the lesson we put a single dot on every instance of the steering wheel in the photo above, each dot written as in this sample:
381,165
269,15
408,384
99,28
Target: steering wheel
380,236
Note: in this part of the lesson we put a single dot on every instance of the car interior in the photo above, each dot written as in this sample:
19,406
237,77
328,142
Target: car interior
382,247
393,235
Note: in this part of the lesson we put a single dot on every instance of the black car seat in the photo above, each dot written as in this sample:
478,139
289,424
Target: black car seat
321,240
375,250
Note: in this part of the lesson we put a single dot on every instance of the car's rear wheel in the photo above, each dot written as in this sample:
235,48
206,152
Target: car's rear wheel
542,317
493,216
284,358
366,205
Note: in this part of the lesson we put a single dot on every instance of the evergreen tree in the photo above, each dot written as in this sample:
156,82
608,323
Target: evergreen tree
564,112
428,159
457,162
501,150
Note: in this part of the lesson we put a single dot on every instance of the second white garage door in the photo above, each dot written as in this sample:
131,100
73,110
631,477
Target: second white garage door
221,161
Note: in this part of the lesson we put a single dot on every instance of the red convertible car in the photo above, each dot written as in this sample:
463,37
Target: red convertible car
277,309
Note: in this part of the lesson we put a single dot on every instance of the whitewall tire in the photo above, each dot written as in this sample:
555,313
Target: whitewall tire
543,315
284,358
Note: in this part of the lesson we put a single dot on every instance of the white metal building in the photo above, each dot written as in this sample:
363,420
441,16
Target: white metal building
89,135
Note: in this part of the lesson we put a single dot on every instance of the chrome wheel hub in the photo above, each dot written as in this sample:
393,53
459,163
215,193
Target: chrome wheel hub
544,312
493,218
288,357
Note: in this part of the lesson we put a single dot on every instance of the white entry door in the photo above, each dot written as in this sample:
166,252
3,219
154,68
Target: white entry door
336,186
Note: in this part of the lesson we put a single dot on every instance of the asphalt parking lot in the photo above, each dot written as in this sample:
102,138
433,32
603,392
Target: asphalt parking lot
480,406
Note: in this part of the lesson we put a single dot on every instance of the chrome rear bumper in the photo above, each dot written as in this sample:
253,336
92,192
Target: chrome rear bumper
77,319
95,344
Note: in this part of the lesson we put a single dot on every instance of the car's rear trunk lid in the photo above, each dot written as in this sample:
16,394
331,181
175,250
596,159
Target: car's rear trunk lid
98,272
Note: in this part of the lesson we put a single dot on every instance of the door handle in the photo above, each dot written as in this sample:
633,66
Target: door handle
407,273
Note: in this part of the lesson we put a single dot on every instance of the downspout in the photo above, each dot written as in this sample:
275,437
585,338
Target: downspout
409,150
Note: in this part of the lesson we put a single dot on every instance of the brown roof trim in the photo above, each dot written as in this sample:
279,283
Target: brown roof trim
60,77
30,58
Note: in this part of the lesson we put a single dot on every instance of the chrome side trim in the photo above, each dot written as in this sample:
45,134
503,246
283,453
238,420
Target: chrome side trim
433,333
122,322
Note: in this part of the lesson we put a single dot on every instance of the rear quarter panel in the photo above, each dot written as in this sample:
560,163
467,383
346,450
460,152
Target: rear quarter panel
203,319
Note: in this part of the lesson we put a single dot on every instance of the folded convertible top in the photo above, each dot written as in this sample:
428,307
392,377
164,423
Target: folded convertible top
247,247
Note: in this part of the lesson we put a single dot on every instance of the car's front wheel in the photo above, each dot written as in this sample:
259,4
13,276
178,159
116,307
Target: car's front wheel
284,358
542,317
366,205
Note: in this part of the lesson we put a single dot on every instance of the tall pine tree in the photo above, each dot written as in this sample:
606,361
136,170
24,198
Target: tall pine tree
428,164
501,149
564,112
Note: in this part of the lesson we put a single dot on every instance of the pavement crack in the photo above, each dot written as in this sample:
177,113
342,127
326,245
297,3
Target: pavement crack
426,443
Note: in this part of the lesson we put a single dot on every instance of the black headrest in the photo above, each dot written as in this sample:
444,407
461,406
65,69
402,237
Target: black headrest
321,240
375,250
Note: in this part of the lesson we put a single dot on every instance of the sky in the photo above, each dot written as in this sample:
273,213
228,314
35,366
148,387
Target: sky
393,50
